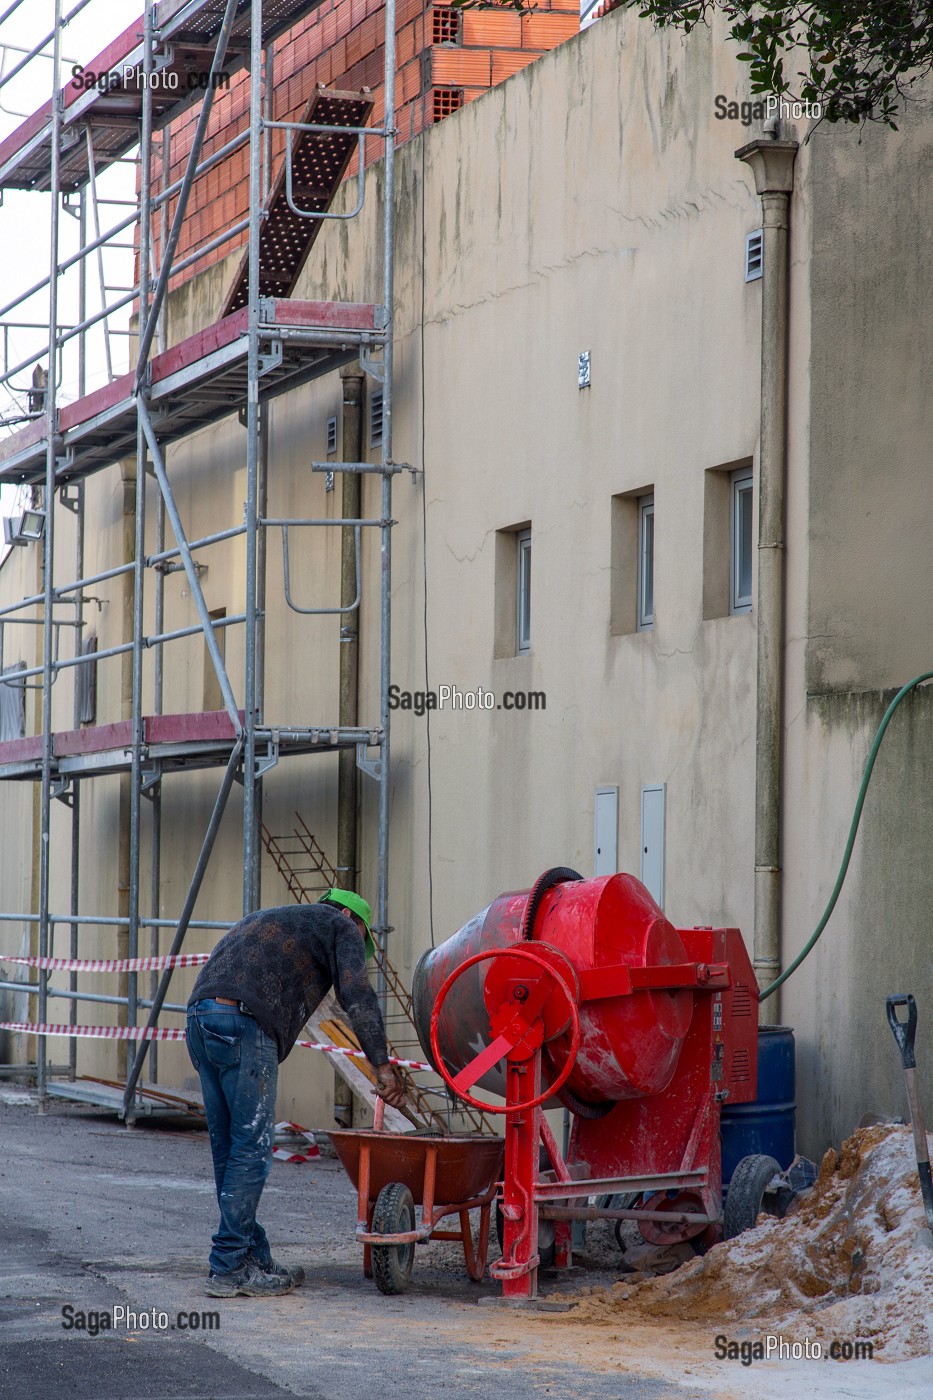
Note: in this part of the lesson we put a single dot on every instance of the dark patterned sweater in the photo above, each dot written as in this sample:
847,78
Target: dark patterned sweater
280,963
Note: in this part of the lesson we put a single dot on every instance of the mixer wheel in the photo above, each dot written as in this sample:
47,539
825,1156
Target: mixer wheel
394,1214
746,1193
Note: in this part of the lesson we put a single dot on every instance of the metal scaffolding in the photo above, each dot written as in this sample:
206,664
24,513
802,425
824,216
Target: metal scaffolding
266,344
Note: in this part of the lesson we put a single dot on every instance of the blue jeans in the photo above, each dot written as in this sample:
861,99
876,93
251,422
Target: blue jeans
238,1066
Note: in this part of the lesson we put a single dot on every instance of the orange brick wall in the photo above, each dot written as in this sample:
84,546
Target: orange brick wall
340,45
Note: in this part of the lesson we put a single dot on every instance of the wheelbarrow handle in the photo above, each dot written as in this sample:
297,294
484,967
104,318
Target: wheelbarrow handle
904,1031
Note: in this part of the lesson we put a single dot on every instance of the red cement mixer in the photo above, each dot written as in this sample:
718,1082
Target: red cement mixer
581,993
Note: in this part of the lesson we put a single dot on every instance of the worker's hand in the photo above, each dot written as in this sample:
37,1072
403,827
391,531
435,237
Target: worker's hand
389,1086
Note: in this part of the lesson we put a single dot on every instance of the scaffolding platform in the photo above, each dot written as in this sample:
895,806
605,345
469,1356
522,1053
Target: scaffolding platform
172,742
197,382
185,36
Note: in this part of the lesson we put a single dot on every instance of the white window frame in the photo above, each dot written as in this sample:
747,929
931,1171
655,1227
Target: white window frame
645,614
740,481
330,436
522,592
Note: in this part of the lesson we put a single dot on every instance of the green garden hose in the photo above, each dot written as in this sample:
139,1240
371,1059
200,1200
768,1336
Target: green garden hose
853,831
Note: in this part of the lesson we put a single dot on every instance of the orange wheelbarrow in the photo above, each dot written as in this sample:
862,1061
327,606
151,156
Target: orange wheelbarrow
394,1172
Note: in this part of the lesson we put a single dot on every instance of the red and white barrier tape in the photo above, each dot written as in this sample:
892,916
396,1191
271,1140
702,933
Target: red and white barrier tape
111,964
97,1032
284,1154
166,1033
359,1055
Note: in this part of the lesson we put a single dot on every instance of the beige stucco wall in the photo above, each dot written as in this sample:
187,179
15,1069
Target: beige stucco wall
859,624
592,202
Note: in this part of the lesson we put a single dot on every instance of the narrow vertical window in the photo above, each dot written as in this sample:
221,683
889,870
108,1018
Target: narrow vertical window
213,695
645,563
87,684
741,530
523,593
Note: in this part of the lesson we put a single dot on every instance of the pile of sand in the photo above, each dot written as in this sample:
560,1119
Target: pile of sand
853,1261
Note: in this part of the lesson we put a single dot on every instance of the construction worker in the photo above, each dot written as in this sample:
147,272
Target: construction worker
249,1004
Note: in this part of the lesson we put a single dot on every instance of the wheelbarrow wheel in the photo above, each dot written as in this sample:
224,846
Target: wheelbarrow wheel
746,1193
394,1214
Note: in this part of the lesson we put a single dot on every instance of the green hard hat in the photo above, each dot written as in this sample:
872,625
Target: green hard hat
349,899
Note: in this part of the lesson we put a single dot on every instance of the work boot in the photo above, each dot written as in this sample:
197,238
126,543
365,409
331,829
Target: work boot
249,1282
271,1266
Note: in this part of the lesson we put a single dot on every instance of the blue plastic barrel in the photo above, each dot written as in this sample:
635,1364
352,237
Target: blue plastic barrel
767,1125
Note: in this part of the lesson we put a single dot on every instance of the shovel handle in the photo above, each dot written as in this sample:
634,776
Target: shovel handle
904,1031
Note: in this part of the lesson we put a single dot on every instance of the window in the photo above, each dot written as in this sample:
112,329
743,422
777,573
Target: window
741,520
12,703
375,418
523,593
626,611
728,530
753,255
512,597
87,684
331,440
213,698
645,563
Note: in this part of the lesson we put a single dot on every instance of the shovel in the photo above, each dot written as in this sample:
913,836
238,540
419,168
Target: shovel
904,1033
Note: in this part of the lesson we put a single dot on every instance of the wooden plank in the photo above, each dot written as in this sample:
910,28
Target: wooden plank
336,315
97,402
350,1070
24,437
190,728
21,750
94,739
196,347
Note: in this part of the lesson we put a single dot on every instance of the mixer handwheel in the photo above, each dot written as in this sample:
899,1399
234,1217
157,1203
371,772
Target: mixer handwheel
518,1026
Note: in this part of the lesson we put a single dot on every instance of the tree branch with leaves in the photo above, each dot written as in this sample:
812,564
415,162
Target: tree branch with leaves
861,57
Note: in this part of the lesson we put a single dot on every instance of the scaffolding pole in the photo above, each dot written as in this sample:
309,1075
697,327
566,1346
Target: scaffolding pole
48,631
250,823
388,278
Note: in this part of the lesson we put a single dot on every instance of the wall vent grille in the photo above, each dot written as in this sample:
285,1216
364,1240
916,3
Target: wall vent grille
375,418
754,253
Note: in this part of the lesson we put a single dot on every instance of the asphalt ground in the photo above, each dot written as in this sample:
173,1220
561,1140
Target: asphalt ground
95,1218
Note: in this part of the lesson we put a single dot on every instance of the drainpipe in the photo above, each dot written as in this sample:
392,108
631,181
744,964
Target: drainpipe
772,163
347,773
124,854
347,778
